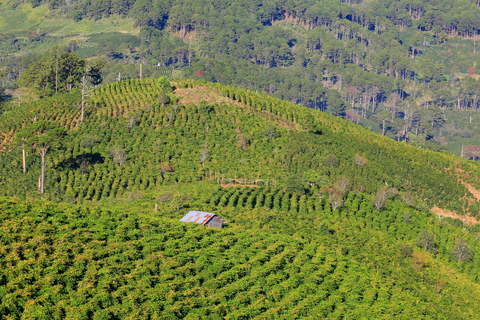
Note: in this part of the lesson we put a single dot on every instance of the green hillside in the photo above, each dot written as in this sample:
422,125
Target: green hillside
131,141
327,133
330,219
59,261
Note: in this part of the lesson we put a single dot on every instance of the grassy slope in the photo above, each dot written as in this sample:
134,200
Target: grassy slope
57,30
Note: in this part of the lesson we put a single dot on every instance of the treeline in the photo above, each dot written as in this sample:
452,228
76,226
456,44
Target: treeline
452,17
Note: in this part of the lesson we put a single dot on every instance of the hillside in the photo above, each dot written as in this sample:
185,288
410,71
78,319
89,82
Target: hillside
224,133
397,68
60,261
336,223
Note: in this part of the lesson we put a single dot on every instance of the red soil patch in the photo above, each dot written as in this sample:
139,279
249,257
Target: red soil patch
449,214
472,190
199,93
476,195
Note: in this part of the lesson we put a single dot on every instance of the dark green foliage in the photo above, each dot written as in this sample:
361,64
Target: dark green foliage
295,183
336,105
406,250
394,68
57,72
330,161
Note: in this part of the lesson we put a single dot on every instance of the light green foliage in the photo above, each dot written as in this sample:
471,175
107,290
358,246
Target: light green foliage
309,264
305,239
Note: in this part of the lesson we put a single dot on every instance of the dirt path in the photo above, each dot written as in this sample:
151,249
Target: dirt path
449,214
467,219
472,190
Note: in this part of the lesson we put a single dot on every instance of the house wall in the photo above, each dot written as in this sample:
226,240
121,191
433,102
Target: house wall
215,222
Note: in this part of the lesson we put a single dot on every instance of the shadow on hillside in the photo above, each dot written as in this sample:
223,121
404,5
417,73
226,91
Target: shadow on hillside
82,161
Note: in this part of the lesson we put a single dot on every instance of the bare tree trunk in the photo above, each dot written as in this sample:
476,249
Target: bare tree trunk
140,71
56,75
383,133
83,98
24,162
42,177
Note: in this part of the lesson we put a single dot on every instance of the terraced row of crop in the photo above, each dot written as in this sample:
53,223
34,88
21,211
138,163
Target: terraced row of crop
113,264
63,109
123,98
355,208
316,122
269,198
84,168
178,143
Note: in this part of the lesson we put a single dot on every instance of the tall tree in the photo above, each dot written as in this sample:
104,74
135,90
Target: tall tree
383,116
20,140
59,71
41,136
335,103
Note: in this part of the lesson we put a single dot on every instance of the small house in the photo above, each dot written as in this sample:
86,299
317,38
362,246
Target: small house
204,218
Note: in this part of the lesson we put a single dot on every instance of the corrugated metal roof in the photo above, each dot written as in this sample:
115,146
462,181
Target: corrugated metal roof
198,217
